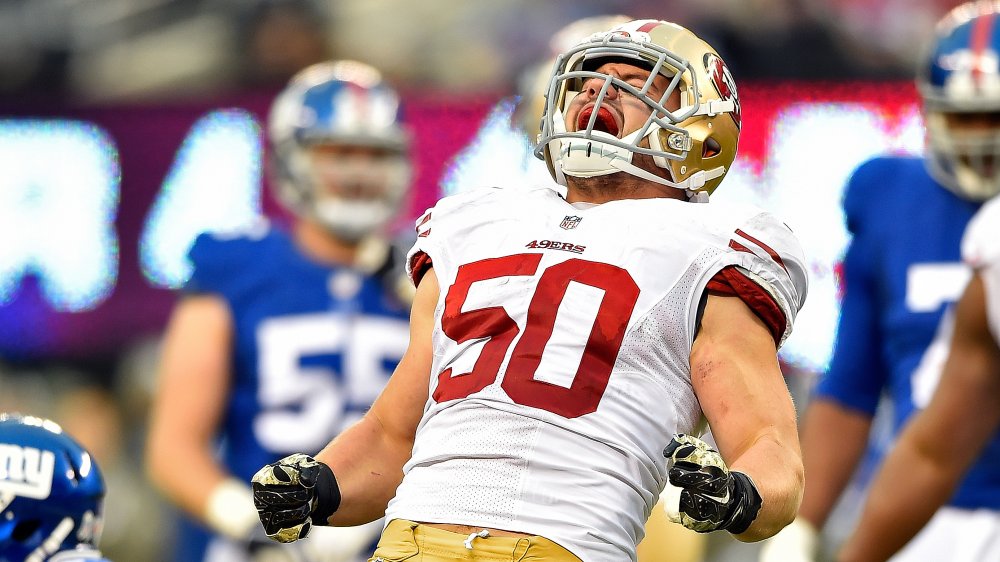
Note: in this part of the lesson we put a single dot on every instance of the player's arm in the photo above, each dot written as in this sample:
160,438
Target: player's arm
193,380
939,443
368,458
838,418
834,438
352,479
735,375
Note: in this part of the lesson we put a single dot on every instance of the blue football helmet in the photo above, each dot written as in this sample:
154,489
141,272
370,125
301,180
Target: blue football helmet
51,491
960,86
344,104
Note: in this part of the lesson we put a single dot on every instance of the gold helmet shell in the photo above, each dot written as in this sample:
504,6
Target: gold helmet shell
696,142
531,87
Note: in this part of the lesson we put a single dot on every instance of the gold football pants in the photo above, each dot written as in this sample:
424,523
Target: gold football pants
405,540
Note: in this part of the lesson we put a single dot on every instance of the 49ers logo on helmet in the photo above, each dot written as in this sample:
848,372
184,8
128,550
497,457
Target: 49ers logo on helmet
723,82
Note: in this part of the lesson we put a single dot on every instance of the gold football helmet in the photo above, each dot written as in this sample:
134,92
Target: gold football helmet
696,142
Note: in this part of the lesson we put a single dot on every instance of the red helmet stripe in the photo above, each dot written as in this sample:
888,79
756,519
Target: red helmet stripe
982,32
647,27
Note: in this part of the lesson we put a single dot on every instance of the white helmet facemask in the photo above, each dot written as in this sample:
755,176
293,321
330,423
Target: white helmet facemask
967,161
354,196
355,191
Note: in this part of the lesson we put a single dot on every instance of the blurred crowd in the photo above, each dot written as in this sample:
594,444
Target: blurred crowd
141,49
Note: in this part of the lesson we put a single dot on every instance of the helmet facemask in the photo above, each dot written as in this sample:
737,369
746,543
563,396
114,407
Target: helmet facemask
959,83
965,160
678,138
350,194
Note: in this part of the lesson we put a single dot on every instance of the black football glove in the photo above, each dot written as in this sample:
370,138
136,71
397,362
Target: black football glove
711,497
294,494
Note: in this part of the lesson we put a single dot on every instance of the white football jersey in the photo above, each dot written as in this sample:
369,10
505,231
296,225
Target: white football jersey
561,356
981,250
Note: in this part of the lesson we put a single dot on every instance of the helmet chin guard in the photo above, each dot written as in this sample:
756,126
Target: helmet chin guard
594,157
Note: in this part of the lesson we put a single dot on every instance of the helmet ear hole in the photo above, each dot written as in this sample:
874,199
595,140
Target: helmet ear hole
710,148
24,530
73,474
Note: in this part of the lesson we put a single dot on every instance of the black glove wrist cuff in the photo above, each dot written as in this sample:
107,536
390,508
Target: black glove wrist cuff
746,504
327,495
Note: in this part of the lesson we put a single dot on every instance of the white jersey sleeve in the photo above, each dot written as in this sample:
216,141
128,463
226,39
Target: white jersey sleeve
981,251
768,254
437,225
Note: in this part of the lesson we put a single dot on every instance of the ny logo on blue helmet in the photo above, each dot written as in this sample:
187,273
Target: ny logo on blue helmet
51,491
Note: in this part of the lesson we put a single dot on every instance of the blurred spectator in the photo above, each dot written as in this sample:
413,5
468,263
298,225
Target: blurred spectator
103,49
880,34
279,38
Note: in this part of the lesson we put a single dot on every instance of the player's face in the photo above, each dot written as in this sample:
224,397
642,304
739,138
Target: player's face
348,172
976,130
973,121
620,113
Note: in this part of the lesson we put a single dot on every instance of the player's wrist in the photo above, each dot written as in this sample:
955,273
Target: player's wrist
230,510
327,495
744,505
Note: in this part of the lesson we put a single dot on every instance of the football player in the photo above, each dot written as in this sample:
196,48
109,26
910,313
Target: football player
942,442
504,148
902,272
283,337
51,494
563,351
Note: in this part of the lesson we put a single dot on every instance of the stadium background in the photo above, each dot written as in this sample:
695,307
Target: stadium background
128,126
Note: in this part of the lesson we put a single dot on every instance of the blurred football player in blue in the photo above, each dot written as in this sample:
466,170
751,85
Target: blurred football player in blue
51,494
285,336
902,272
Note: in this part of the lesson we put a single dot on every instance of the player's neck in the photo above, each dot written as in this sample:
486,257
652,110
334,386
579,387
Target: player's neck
603,189
316,242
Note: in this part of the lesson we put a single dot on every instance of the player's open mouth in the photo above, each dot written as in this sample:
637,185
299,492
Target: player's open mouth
605,121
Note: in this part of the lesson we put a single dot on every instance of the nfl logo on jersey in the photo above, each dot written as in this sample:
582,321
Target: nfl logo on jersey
570,222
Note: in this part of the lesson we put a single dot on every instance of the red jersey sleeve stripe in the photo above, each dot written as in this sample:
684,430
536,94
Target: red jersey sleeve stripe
739,247
770,251
423,231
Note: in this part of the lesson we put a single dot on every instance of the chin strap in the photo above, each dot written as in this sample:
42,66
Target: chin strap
693,183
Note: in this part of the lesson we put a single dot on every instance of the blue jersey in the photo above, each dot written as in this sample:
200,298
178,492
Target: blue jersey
313,344
901,272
